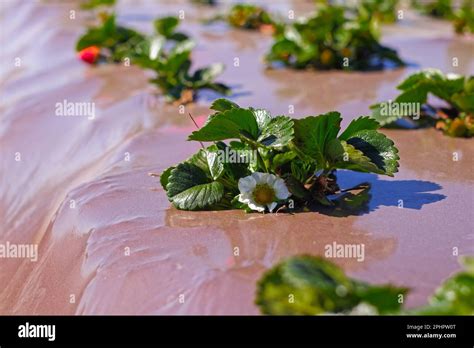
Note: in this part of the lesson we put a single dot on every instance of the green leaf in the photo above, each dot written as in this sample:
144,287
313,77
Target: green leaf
93,37
388,112
317,286
467,263
200,159
208,74
166,25
378,148
361,123
148,53
223,105
302,170
155,46
262,117
182,47
309,271
452,83
189,188
313,133
423,76
246,159
277,132
89,39
385,298
469,85
283,158
91,4
178,37
381,117
165,176
293,35
281,50
178,59
252,126
230,124
464,101
345,156
219,88
434,81
457,294
214,162
416,95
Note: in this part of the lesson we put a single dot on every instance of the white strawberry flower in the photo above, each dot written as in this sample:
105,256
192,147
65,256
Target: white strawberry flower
262,190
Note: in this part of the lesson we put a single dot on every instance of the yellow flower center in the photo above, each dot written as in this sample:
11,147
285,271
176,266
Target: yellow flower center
263,194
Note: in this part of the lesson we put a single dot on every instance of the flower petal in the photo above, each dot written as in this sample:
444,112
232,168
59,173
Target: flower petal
256,207
259,177
281,191
245,198
270,179
247,184
271,206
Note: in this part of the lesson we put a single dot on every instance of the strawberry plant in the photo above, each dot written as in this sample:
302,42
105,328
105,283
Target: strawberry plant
167,53
268,159
455,118
248,16
462,16
318,286
332,38
382,10
435,8
114,42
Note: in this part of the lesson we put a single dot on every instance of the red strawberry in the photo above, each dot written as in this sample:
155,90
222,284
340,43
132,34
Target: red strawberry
89,54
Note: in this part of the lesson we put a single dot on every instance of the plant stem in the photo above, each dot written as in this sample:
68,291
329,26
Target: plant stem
261,161
192,118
